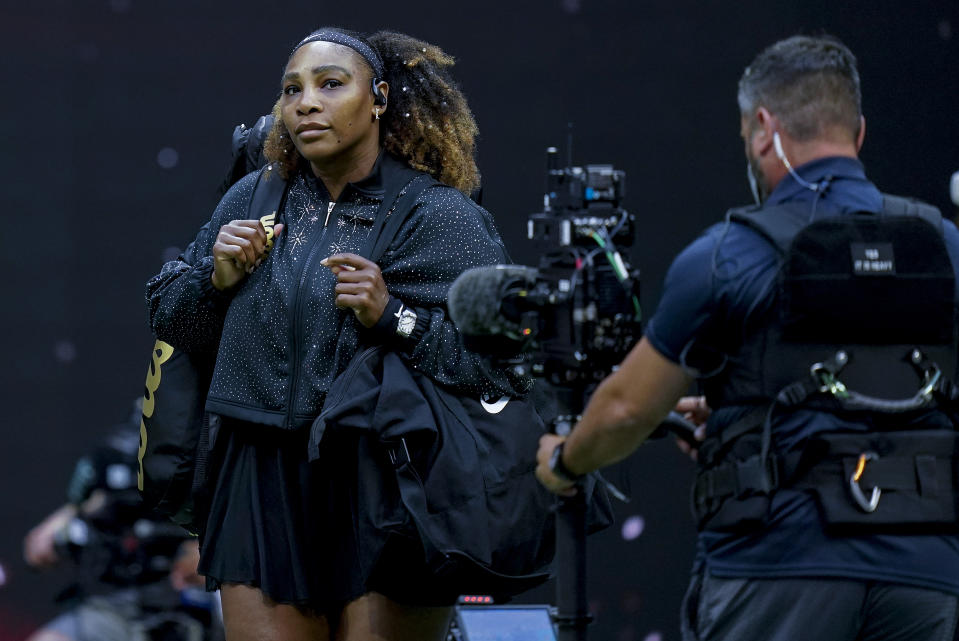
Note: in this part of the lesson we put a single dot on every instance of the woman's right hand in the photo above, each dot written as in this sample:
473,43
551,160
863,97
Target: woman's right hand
240,247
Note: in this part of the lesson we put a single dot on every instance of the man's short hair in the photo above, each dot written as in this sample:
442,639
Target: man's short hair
810,83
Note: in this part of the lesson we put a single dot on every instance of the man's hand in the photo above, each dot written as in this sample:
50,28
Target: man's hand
694,410
184,574
240,247
624,410
359,286
38,545
547,444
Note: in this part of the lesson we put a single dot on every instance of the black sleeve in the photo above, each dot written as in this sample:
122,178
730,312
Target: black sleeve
445,235
186,311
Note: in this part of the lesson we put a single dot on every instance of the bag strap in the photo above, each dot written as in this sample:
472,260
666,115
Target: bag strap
401,190
398,200
269,194
413,497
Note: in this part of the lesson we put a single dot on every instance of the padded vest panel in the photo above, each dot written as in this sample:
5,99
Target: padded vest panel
874,285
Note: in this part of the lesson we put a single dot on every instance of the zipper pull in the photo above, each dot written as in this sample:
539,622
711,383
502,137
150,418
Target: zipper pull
329,210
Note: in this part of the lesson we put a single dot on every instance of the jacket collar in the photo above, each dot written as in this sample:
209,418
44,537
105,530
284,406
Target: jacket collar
372,186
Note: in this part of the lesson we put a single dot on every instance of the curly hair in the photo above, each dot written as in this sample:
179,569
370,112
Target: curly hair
427,122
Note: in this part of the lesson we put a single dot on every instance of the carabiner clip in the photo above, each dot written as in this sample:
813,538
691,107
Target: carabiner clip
828,383
870,505
821,375
931,381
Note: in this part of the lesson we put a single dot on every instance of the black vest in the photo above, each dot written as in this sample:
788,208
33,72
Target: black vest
874,285
863,325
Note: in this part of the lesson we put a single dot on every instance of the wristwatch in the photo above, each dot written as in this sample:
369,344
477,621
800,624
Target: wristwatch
406,321
557,467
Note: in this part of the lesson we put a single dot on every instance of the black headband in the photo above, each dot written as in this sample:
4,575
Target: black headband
332,35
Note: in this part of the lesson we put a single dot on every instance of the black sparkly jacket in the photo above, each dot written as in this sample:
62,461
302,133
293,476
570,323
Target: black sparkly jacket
277,337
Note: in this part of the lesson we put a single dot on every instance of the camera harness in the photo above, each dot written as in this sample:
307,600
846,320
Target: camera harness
866,306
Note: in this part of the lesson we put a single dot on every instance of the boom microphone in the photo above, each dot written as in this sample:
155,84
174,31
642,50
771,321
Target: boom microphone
486,303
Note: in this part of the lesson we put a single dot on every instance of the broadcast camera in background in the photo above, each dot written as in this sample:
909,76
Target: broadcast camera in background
134,573
576,316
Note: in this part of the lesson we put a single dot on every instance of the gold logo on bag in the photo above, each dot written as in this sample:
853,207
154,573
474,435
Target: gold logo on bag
268,221
161,354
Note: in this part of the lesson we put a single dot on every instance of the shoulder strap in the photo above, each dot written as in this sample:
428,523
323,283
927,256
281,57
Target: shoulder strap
402,193
269,192
401,189
899,206
778,224
387,224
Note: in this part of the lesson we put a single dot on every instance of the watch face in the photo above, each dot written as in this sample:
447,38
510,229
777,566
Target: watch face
406,323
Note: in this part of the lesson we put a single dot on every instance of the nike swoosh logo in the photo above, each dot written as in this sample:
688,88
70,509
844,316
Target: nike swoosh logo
497,407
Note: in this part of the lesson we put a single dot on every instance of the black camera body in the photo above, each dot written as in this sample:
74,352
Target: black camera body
576,316
120,543
576,322
579,202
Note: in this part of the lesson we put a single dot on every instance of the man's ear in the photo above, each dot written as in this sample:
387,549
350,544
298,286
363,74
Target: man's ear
766,126
862,133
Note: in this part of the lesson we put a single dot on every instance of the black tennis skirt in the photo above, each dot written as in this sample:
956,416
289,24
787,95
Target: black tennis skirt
291,528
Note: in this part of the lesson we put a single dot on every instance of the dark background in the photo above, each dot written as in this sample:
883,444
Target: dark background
115,127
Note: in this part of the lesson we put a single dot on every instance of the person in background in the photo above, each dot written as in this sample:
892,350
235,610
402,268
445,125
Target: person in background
136,574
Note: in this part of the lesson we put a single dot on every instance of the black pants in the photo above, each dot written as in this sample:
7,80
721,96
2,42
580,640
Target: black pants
822,609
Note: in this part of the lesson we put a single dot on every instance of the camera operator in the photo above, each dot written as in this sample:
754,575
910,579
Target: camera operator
136,576
828,547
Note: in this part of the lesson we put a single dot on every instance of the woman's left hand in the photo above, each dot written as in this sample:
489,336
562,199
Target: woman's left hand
359,286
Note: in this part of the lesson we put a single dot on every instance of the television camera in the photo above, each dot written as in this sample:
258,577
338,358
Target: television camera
576,316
